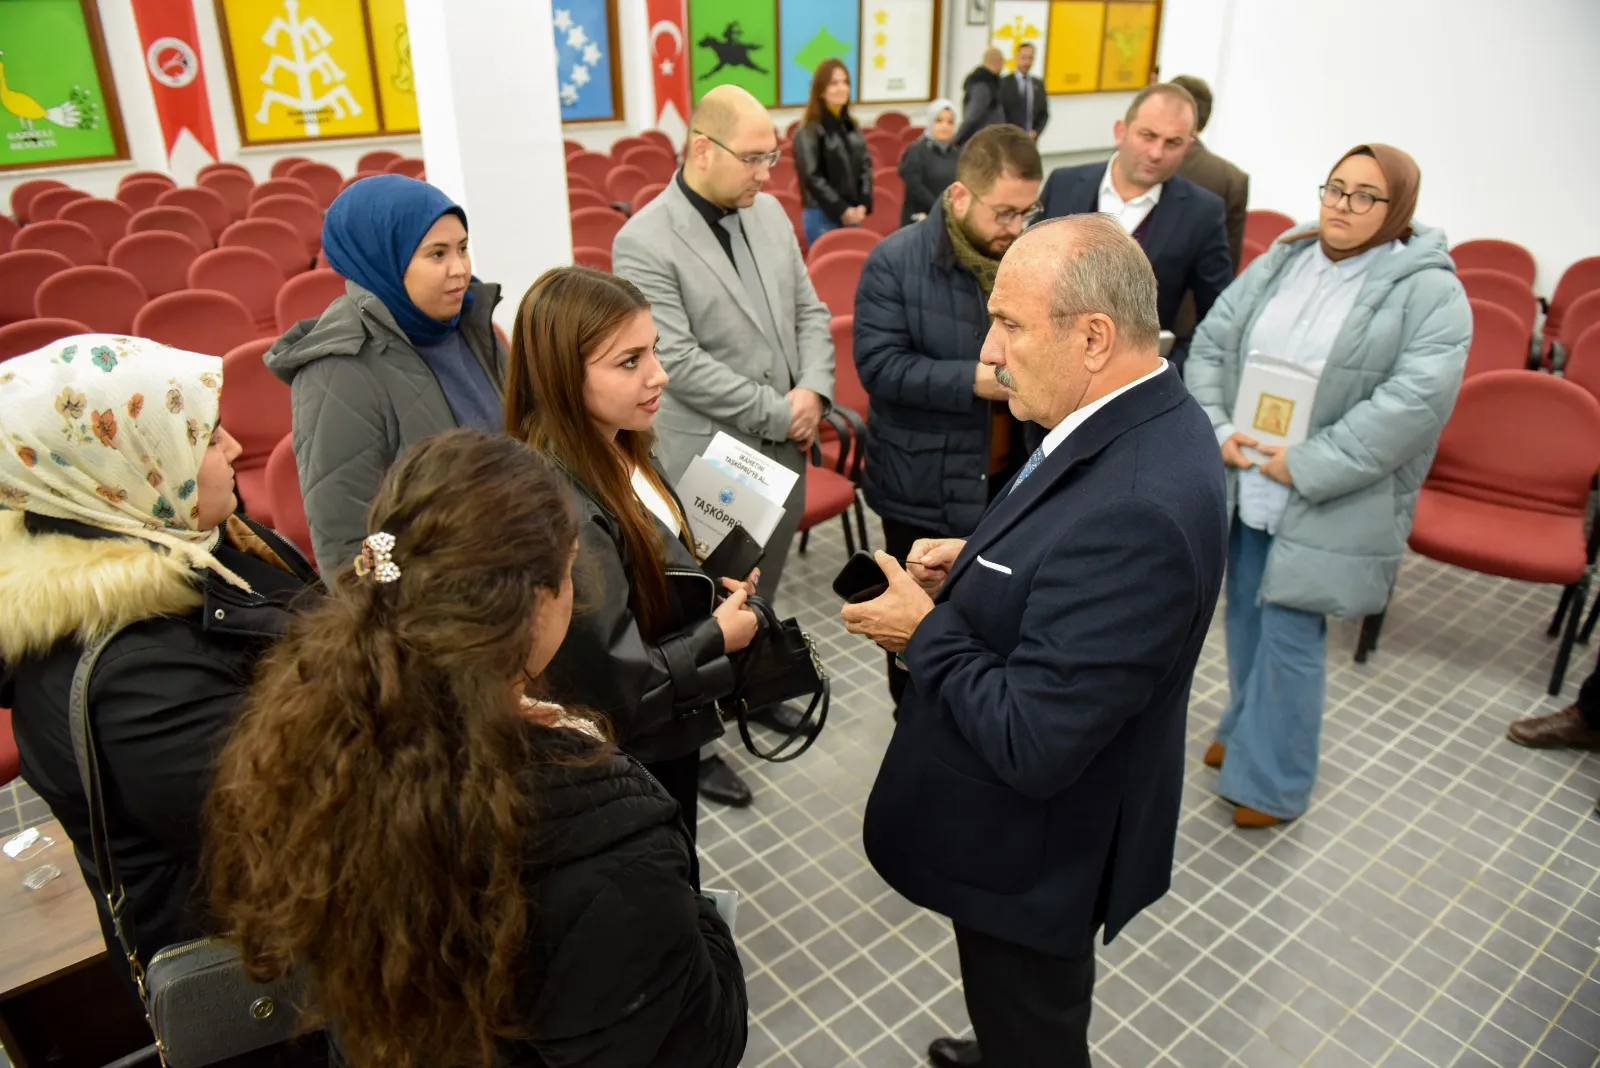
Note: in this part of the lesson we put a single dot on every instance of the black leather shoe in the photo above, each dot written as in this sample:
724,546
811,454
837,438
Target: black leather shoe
722,784
955,1053
785,717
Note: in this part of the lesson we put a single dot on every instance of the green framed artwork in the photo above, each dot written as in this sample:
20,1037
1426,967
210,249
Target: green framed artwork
57,102
734,42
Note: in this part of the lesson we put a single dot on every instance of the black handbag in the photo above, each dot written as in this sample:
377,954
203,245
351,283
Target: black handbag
200,1004
780,664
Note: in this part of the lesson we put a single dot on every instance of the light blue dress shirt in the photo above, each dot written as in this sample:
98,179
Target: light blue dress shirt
1301,321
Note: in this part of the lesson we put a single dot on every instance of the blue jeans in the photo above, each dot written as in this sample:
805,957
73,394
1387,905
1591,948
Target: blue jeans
816,223
1277,676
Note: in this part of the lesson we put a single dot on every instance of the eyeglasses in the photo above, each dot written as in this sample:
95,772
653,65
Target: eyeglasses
753,159
1007,216
1361,201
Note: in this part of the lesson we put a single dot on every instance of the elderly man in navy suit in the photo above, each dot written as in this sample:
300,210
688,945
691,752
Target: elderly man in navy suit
1181,227
1031,790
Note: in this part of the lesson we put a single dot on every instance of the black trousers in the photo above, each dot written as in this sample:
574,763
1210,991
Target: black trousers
1588,698
1028,1009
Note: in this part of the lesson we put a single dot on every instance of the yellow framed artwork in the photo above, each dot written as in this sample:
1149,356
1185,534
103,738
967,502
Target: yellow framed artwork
1077,28
1130,45
391,54
1100,46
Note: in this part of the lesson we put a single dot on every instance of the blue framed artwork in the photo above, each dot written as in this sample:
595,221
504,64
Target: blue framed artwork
810,31
587,70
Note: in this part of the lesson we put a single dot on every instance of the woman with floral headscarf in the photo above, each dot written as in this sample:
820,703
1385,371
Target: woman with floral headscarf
117,489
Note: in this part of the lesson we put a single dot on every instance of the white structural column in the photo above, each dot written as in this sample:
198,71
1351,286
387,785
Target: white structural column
491,132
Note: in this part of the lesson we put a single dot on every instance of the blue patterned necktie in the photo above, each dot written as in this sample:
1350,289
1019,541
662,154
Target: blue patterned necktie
1027,469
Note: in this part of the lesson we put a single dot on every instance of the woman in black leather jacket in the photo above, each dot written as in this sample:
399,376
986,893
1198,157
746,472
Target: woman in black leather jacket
650,639
831,156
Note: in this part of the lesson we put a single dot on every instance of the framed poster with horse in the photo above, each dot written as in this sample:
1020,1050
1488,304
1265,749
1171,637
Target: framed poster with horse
734,42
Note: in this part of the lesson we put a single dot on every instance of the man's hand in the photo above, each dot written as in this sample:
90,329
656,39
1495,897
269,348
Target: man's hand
930,559
985,385
891,618
1232,453
853,216
805,408
1277,465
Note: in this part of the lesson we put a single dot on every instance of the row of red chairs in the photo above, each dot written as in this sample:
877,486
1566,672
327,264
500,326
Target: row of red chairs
105,224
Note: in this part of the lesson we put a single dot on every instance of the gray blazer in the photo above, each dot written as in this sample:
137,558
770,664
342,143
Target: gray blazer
725,374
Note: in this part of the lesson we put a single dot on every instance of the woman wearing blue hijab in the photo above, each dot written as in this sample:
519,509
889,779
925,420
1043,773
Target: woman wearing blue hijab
408,351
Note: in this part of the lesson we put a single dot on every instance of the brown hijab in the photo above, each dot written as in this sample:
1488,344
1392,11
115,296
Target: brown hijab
1404,178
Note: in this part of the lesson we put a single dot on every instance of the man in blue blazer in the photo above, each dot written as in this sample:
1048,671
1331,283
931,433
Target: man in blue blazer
1182,227
1031,789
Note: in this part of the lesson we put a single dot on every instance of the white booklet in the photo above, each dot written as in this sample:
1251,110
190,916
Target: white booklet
730,484
1275,399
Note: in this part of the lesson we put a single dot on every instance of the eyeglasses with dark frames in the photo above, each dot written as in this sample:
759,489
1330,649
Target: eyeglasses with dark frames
753,159
1361,201
1007,216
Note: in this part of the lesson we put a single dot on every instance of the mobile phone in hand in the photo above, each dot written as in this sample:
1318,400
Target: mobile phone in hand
861,579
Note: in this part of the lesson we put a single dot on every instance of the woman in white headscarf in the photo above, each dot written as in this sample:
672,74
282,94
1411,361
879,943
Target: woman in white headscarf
928,165
116,484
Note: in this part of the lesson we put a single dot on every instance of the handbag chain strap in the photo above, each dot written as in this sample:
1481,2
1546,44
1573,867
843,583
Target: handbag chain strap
90,774
822,698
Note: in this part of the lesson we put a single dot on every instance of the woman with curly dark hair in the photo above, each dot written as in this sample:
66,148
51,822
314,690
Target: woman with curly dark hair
465,875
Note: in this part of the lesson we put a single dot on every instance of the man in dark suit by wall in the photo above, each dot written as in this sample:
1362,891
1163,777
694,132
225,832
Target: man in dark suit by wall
1031,790
1026,104
1180,225
1210,171
980,96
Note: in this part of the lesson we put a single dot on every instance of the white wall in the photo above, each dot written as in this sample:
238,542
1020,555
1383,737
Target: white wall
1492,99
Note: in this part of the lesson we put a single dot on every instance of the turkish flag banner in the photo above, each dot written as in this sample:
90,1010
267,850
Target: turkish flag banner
172,59
669,61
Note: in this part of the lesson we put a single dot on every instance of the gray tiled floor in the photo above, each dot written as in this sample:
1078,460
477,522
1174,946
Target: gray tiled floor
1437,907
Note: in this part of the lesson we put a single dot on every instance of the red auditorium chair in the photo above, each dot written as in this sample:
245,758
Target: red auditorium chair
578,181
1499,342
1584,313
377,159
885,147
31,334
1577,280
21,273
1506,291
646,195
223,167
140,195
255,409
1493,255
354,178
206,203
624,182
246,273
10,759
106,298
107,220
1248,253
298,212
307,296
783,176
1264,227
324,180
889,178
234,189
73,240
660,140
910,134
288,507
885,215
278,187
159,259
842,239
23,193
623,145
788,131
592,165
596,227
198,320
48,204
791,206
851,403
281,167
409,166
1508,493
162,177
892,122
598,258
829,495
835,277
274,237
654,160
177,219
8,230
569,146
581,196
1583,361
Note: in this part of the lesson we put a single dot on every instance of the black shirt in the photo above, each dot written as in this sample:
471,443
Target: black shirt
713,216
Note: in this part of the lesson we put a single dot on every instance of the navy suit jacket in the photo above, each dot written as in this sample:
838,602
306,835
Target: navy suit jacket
1186,241
1031,789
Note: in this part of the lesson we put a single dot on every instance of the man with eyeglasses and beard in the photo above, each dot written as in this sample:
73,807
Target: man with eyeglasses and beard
943,440
742,334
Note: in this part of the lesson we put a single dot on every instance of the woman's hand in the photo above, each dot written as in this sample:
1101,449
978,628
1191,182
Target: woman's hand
748,585
738,623
1277,465
1232,453
853,216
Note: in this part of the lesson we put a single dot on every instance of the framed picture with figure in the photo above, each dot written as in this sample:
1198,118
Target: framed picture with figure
977,12
57,101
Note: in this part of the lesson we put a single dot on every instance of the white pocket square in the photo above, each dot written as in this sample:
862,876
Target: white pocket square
1003,569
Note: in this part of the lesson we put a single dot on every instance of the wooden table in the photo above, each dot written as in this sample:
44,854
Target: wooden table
61,1002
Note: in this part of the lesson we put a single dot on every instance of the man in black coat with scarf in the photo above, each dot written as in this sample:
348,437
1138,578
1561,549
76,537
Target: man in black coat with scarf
942,438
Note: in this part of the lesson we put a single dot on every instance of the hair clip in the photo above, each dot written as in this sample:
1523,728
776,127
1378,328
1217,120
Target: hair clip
376,558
